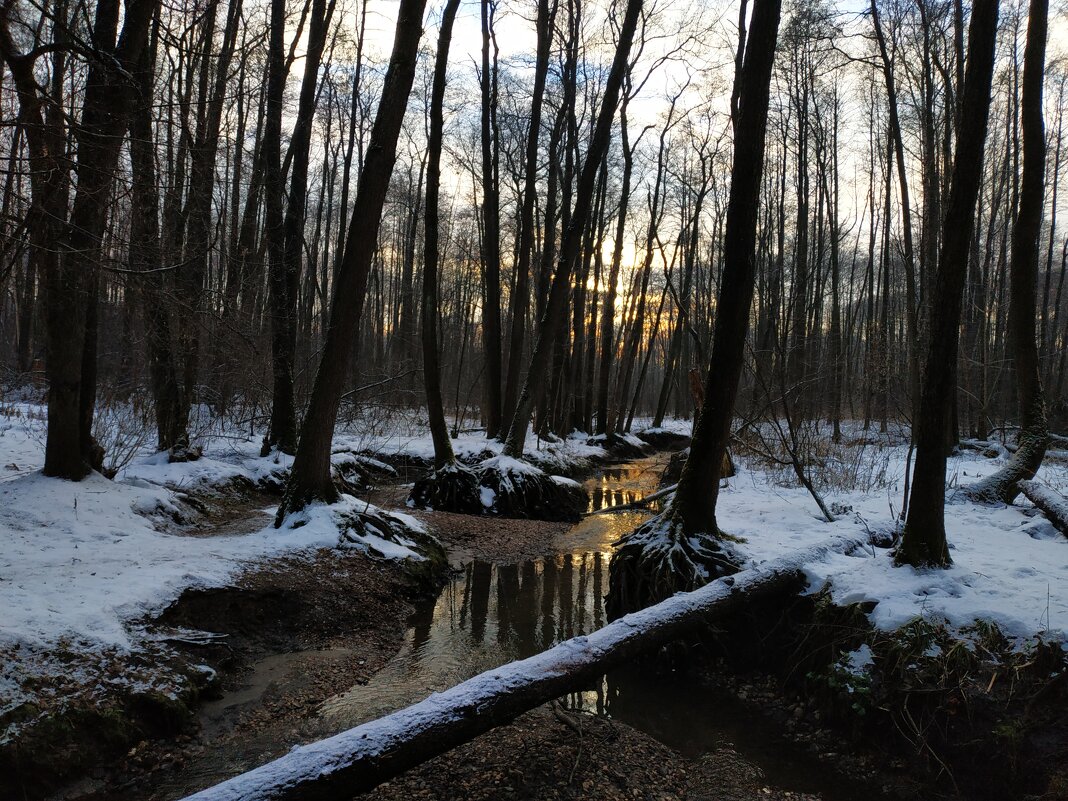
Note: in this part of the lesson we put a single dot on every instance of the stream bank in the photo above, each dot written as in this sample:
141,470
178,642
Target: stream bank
315,646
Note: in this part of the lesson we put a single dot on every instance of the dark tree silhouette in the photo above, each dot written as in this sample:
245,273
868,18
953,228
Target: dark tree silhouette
311,478
924,540
678,549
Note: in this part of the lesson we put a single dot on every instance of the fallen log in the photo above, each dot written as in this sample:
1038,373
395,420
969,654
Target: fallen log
359,759
1052,504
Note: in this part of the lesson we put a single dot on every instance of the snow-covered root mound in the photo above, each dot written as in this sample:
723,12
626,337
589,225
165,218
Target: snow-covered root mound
664,439
453,488
657,560
623,446
359,471
387,535
514,488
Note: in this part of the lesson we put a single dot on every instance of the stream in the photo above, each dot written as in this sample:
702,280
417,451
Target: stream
490,614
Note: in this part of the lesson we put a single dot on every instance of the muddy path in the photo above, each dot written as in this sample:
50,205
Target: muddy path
315,646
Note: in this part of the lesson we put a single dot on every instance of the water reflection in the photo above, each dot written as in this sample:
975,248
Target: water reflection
485,616
488,615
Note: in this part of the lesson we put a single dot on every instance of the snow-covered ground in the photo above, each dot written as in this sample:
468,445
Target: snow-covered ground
1010,566
80,561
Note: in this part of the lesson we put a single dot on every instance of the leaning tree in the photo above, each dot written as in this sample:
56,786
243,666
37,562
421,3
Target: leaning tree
680,549
450,486
1003,486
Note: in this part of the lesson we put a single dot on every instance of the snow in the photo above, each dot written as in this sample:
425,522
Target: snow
857,662
82,559
1008,567
506,465
81,562
387,548
487,496
564,481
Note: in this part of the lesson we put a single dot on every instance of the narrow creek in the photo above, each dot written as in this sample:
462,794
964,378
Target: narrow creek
490,614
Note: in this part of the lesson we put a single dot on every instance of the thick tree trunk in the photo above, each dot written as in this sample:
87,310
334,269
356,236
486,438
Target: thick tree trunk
285,274
694,506
69,448
924,541
310,478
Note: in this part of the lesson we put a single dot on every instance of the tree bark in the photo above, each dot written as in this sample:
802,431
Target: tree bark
1003,486
310,478
491,236
924,540
439,432
694,506
537,378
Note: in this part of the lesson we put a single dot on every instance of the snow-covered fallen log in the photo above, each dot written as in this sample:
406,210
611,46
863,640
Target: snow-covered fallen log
1053,504
357,760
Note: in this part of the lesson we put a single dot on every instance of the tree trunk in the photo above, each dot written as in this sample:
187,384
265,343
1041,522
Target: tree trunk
146,261
924,541
491,237
1003,486
694,506
310,478
443,453
69,450
556,308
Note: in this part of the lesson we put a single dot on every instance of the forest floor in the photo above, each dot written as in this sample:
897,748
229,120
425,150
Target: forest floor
110,590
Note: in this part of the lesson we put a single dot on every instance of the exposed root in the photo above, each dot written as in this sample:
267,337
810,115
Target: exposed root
453,488
657,560
518,489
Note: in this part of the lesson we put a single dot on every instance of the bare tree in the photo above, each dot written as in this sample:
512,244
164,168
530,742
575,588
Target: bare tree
924,540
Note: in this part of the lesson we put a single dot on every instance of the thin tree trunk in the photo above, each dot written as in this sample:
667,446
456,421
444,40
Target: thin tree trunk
556,308
1003,486
443,453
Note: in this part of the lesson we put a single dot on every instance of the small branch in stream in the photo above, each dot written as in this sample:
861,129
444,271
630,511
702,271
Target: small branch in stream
638,504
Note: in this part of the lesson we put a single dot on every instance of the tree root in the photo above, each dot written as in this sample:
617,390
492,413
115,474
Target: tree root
453,488
657,560
531,493
619,446
370,529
